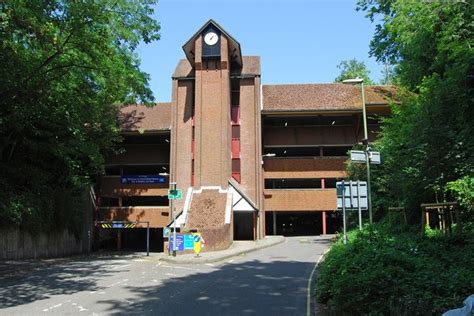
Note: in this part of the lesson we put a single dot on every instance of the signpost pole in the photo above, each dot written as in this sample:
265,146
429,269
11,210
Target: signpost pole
344,211
369,199
173,185
358,205
147,239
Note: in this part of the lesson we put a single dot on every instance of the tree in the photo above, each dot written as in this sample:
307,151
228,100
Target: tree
66,65
351,69
427,143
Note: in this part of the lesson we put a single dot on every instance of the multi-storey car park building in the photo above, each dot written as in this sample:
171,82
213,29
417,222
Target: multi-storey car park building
251,159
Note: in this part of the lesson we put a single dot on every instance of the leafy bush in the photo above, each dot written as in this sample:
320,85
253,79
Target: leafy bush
379,272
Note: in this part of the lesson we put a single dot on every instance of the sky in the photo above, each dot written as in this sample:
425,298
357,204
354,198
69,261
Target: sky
298,41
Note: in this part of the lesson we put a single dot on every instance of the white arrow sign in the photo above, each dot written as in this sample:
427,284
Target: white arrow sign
358,156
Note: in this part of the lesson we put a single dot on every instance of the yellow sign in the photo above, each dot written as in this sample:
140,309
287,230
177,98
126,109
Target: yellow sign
198,242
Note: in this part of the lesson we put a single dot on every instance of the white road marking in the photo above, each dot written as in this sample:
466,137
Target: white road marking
182,268
52,307
115,267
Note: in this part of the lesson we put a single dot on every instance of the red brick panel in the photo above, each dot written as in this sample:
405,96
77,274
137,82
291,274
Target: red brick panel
157,216
300,200
111,186
304,168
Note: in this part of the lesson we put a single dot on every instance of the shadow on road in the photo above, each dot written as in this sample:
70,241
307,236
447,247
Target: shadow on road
255,287
68,277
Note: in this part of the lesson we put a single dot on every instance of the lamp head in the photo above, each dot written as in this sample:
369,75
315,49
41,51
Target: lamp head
353,81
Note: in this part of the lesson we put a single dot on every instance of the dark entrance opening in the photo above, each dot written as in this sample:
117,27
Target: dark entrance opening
243,225
294,223
133,239
302,223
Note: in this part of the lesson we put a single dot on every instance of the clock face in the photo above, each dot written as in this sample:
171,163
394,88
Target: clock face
211,38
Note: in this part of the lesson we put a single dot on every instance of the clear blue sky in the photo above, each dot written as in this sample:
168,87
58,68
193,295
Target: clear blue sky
299,41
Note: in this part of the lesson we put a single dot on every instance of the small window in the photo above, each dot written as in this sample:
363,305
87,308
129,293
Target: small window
235,114
236,131
235,165
236,148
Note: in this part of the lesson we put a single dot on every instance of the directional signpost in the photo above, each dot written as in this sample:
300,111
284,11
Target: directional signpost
351,195
359,156
174,194
368,157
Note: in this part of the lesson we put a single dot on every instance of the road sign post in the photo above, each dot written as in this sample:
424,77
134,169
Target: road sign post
350,196
174,194
368,157
344,212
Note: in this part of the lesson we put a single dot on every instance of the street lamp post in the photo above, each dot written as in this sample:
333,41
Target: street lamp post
365,141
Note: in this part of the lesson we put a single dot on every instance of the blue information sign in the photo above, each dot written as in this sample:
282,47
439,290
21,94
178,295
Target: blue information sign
142,179
188,242
183,242
179,242
117,225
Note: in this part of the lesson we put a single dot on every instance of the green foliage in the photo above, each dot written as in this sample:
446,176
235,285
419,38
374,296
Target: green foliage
428,141
381,272
66,65
352,69
463,191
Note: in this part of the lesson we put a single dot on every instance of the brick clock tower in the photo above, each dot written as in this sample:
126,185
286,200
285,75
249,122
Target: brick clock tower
212,128
206,143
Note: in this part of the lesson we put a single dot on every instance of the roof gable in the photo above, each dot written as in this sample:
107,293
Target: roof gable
188,47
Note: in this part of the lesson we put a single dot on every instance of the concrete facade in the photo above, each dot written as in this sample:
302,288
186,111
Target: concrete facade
242,153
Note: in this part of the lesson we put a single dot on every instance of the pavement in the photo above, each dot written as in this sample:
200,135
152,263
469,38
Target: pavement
271,280
237,248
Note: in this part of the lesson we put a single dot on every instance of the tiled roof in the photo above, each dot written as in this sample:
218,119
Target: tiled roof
322,97
144,118
183,69
251,66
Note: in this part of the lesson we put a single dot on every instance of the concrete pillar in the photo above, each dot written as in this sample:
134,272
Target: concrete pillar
323,214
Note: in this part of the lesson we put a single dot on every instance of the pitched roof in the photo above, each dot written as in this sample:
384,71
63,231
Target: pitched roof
322,97
183,69
234,45
251,66
143,118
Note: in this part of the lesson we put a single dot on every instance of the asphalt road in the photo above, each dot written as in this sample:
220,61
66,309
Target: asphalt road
271,281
